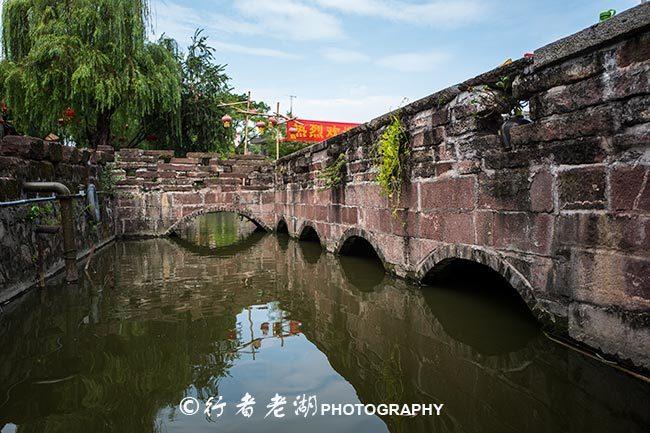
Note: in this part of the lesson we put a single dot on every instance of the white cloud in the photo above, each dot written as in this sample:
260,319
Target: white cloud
291,19
414,62
352,109
180,22
254,51
340,55
431,13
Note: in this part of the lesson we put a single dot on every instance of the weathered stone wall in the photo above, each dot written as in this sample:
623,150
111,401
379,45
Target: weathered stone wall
159,191
25,255
563,212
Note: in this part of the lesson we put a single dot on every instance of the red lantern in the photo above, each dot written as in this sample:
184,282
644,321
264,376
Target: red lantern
261,126
69,113
227,121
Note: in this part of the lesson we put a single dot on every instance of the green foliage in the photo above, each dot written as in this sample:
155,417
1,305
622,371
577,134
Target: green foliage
107,180
196,126
44,213
503,101
332,175
89,55
392,151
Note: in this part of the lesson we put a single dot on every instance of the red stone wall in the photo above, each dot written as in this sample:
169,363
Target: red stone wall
159,191
563,213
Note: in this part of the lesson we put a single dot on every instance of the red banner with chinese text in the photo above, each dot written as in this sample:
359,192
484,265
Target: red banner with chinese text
315,130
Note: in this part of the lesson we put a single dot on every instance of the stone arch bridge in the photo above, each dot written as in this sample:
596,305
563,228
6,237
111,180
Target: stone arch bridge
561,209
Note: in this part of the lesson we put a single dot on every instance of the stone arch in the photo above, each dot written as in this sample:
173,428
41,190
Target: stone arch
213,209
306,230
355,232
282,226
492,260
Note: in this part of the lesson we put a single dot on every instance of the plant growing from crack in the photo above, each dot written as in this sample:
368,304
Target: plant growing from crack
499,97
333,174
392,151
108,180
44,214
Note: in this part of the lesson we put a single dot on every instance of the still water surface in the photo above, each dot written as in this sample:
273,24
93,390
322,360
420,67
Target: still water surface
228,312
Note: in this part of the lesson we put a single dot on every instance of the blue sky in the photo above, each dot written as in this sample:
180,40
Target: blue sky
352,60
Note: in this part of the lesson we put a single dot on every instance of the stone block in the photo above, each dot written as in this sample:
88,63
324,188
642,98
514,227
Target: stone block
591,121
622,334
629,189
582,188
515,231
635,136
633,50
628,233
541,192
448,193
504,190
636,110
455,227
606,278
187,199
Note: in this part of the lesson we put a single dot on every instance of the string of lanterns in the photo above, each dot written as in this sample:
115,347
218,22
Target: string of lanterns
275,120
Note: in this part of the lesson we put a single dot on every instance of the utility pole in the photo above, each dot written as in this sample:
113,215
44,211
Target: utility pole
291,98
277,133
248,109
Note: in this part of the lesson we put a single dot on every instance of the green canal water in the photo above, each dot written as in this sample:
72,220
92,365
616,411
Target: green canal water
227,311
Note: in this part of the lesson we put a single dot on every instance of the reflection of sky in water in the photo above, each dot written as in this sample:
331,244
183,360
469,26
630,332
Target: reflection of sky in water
289,365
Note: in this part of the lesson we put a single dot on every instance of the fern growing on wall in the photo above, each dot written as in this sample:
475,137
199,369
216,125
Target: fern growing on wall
392,150
332,175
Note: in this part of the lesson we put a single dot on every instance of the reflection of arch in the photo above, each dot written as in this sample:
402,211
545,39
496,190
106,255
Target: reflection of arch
211,209
282,226
347,240
308,233
492,260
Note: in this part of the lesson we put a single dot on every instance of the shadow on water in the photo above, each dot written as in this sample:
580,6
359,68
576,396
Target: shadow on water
494,318
361,265
363,273
311,251
283,240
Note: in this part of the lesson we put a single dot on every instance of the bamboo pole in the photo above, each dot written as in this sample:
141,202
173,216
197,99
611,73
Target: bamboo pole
248,109
277,133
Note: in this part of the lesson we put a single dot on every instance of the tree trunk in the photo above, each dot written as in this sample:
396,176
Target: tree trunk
102,135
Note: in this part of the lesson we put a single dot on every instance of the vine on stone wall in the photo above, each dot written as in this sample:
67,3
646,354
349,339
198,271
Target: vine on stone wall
332,175
392,150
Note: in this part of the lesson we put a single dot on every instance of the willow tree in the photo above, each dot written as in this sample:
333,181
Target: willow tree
72,65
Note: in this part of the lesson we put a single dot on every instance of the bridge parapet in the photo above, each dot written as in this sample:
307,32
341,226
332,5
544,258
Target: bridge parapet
158,190
561,210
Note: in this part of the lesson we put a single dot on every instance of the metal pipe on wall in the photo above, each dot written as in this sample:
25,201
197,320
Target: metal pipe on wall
67,223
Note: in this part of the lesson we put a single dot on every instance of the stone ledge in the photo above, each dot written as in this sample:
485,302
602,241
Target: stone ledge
629,21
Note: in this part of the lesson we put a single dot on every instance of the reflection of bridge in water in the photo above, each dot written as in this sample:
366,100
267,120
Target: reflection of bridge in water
389,340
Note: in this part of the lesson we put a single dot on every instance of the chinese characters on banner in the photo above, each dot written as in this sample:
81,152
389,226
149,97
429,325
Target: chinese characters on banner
315,130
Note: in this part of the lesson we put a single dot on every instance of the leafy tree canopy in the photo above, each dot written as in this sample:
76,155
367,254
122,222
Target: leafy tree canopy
205,89
79,64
